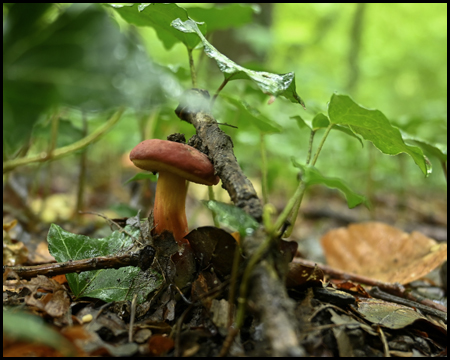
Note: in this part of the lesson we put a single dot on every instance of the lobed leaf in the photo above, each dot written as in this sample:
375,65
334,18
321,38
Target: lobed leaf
106,284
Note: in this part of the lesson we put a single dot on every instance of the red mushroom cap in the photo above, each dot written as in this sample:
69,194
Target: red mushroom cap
180,159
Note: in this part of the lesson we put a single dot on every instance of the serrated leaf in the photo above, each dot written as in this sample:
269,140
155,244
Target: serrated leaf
106,284
233,217
142,176
160,16
249,114
312,176
373,125
269,83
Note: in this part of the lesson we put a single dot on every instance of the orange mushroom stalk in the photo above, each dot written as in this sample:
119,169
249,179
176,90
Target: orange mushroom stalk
175,163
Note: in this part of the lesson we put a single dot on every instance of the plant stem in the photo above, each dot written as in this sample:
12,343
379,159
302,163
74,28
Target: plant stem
294,203
319,148
192,67
263,170
224,82
66,150
211,196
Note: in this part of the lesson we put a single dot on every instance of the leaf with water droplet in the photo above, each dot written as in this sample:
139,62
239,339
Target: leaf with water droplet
269,83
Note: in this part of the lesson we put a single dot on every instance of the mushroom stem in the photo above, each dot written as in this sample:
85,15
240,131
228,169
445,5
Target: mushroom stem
169,210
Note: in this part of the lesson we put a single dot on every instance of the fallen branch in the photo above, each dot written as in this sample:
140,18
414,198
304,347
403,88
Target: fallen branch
212,141
142,258
66,150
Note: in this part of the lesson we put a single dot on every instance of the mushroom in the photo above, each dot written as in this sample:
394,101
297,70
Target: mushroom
176,163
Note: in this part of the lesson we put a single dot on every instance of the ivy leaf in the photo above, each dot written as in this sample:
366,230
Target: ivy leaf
233,217
312,176
373,125
249,114
269,83
160,16
105,284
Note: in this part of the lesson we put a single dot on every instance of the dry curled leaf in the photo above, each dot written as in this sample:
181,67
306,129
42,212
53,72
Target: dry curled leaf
382,252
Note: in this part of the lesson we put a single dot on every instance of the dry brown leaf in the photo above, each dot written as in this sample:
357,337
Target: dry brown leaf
382,252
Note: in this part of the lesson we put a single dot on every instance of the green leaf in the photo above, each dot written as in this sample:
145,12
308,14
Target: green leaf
160,16
30,328
302,124
142,176
373,125
312,176
437,150
346,130
106,284
233,217
78,59
246,113
320,121
222,17
269,83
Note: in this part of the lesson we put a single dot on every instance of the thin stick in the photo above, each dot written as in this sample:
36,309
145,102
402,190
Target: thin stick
66,150
76,266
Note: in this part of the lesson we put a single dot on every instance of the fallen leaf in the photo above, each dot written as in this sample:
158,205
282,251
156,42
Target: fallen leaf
382,252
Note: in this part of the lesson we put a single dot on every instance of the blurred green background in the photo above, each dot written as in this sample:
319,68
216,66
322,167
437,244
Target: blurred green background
80,62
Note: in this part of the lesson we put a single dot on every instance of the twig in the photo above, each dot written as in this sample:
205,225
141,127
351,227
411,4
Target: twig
66,150
377,293
219,147
396,288
76,266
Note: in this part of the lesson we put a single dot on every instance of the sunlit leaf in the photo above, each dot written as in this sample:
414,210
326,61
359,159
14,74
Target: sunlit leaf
106,284
312,176
233,217
159,16
372,125
269,83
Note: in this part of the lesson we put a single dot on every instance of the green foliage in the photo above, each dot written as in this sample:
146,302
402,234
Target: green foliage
31,328
269,83
372,125
79,59
248,115
106,284
160,16
312,176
